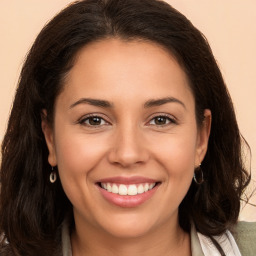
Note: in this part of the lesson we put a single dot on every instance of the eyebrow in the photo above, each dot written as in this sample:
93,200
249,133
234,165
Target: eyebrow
159,102
107,104
93,102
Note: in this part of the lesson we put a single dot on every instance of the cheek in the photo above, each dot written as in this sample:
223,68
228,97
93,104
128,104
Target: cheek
176,152
178,160
77,154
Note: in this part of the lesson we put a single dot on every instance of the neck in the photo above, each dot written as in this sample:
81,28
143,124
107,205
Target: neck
167,240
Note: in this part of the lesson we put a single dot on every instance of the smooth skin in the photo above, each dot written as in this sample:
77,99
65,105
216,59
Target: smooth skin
126,110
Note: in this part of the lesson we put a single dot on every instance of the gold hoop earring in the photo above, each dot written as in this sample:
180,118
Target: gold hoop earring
53,176
198,175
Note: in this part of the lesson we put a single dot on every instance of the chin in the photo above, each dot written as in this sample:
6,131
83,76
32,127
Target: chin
128,233
129,227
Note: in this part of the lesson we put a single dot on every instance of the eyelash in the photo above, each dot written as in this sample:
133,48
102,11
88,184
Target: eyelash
170,119
90,116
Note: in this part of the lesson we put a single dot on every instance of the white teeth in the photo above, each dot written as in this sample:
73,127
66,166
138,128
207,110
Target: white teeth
109,188
122,190
151,185
115,189
140,189
130,190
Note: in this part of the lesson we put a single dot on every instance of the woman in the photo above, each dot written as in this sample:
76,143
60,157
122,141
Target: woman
122,140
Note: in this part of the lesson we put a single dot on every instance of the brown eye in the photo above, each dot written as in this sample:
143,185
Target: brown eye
161,120
94,121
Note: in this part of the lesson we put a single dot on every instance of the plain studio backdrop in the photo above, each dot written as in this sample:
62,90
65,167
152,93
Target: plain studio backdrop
229,26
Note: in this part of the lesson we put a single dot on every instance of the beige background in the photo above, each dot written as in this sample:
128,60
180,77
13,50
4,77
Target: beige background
229,25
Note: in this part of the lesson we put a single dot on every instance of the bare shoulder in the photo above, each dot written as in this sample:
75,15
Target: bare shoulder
245,236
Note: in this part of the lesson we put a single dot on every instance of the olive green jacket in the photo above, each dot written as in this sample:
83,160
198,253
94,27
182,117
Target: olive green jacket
244,234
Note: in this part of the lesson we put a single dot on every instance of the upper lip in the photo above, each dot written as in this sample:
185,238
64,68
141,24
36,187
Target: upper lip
127,180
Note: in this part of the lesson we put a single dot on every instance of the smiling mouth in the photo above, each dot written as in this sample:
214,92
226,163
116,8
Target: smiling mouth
128,192
128,189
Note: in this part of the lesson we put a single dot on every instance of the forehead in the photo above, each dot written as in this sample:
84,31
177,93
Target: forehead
113,68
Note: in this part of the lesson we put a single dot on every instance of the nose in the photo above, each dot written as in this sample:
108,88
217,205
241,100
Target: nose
128,148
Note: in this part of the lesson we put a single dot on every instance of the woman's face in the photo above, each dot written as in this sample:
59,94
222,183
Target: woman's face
125,138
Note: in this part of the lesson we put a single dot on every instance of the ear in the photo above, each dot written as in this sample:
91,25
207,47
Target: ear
203,137
49,138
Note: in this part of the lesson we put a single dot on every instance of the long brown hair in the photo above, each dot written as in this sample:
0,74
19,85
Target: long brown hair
32,209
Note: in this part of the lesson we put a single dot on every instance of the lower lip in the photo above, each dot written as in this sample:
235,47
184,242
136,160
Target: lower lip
128,201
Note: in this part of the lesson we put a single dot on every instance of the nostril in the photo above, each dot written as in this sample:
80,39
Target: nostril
127,152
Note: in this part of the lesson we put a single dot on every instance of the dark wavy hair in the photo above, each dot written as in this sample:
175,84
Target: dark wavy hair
31,209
